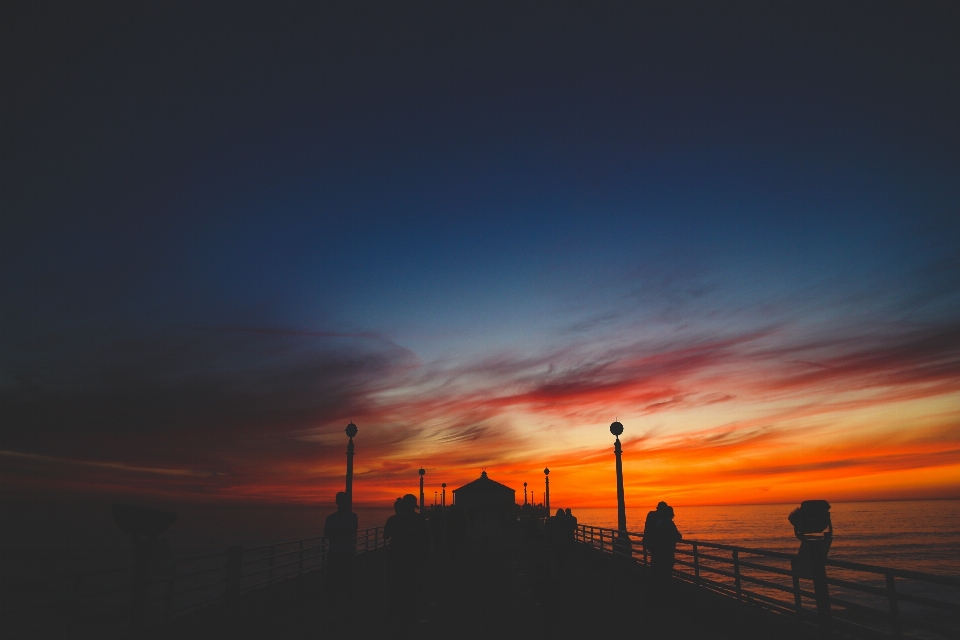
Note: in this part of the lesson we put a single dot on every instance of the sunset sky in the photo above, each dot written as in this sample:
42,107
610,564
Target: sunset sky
481,232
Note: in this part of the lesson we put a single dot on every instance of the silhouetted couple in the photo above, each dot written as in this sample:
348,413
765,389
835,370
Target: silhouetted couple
660,538
408,547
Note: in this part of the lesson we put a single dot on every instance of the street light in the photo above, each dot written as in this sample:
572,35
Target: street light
421,472
623,539
524,493
546,494
443,496
351,431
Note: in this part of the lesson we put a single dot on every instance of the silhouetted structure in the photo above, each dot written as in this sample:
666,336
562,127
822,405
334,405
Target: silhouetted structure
484,494
351,431
623,540
422,472
546,492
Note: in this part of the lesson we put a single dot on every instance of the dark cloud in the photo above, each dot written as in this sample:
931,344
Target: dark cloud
210,387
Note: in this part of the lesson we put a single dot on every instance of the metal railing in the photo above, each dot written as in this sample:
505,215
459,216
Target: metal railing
866,601
98,605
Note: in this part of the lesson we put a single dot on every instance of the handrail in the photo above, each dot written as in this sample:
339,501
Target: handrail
869,621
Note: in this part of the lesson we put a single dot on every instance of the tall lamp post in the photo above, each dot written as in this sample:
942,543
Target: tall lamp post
546,494
421,472
623,539
443,496
524,493
351,431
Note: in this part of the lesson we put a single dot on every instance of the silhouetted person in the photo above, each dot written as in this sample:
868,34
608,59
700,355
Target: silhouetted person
649,528
660,537
571,526
408,536
556,531
340,530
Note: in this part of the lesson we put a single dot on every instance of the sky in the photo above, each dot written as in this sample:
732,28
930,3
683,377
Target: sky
482,232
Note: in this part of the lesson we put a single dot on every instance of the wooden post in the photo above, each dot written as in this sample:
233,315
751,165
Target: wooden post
696,562
894,607
270,571
736,574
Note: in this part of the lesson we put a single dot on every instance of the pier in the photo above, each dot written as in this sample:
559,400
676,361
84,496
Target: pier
504,587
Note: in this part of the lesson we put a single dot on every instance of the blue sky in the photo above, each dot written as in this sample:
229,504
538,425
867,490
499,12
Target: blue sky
222,225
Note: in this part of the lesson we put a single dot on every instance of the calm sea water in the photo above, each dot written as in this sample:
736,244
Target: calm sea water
918,535
40,541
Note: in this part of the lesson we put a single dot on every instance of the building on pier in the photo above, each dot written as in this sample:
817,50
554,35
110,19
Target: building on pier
484,494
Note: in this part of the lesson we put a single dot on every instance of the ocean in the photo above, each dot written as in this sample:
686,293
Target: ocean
38,542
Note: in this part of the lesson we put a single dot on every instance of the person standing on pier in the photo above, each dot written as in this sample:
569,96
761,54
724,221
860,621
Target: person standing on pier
660,538
340,530
408,536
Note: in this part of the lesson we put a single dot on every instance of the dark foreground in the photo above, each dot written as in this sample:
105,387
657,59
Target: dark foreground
491,593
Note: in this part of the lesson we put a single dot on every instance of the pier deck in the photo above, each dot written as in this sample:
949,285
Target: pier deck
519,594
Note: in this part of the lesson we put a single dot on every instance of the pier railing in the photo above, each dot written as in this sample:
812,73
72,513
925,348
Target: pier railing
100,605
866,601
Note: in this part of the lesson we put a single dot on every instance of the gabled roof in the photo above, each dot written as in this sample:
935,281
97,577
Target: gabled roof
483,484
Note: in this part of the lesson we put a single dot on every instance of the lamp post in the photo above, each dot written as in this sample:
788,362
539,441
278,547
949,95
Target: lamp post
351,431
623,539
524,493
443,496
546,494
421,472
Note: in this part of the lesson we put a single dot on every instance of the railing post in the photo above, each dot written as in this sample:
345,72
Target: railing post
300,563
696,562
602,549
270,570
894,607
736,574
797,601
